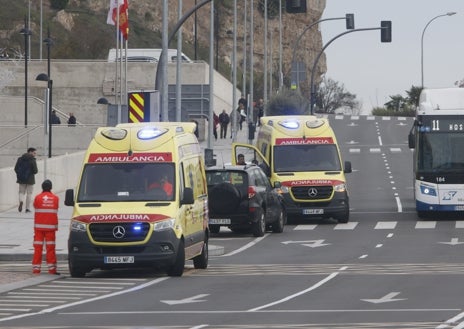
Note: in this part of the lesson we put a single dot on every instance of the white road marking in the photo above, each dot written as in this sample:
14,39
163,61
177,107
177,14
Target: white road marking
304,227
385,225
315,286
245,247
346,226
430,224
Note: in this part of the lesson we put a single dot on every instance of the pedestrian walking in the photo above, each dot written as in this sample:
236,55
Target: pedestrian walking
26,169
224,121
215,124
260,108
45,227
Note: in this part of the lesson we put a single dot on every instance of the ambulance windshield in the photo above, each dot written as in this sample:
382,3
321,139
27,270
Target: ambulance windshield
301,158
115,182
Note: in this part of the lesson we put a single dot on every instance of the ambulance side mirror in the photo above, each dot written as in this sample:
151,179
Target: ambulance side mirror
187,197
347,169
69,198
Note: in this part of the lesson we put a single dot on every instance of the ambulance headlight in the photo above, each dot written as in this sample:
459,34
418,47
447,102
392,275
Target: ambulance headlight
164,225
340,187
284,189
77,226
427,190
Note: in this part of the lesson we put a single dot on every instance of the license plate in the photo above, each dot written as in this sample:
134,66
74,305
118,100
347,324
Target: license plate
119,259
459,208
219,221
313,211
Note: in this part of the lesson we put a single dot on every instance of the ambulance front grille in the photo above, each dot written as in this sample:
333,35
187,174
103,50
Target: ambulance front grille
312,192
119,232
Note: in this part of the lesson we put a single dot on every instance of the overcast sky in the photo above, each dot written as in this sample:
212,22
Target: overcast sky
372,70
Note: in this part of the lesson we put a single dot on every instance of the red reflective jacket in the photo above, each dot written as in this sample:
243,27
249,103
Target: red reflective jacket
46,212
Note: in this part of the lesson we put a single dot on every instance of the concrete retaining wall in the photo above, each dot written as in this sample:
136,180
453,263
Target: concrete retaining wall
62,170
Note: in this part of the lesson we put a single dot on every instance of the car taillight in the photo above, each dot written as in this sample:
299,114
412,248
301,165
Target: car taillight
251,191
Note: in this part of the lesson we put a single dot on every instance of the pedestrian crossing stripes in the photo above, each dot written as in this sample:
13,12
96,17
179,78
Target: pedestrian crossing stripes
381,225
365,117
378,150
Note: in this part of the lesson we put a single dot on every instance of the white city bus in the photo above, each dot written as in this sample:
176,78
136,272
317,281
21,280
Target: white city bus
437,138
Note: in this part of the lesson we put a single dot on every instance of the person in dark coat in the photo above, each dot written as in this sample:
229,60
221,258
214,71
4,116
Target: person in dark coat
54,119
72,120
224,120
26,169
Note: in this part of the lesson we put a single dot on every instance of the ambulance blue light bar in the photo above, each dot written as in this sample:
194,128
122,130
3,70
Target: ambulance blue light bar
290,124
150,133
114,133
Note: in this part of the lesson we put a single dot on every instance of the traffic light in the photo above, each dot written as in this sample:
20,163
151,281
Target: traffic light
295,6
349,21
386,31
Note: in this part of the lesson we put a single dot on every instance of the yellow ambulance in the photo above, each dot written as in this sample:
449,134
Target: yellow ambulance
141,200
301,156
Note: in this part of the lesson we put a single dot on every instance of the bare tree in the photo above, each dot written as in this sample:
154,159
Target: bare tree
332,95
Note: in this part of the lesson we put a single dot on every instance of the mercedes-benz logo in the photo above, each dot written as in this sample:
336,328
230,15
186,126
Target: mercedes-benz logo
312,192
119,232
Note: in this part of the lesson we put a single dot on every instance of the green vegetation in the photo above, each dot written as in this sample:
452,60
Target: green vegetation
399,105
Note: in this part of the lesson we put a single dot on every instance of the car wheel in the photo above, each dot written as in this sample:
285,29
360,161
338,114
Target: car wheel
201,261
76,272
177,269
278,225
259,227
224,198
214,228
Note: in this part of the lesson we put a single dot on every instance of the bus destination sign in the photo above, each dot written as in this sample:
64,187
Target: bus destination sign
442,124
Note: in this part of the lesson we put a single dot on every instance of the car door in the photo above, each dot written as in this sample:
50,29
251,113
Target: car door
269,195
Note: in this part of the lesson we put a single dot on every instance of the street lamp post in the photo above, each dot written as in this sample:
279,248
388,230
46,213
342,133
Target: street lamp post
422,43
27,33
45,77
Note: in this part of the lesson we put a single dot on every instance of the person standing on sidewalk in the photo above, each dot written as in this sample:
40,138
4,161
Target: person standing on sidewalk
224,120
26,169
45,227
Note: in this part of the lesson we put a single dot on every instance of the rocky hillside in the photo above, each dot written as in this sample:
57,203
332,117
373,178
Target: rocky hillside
80,32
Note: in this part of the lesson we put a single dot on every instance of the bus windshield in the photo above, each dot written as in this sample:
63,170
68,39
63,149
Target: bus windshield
440,152
301,158
108,182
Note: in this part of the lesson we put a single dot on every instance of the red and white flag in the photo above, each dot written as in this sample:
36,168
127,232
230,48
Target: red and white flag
112,18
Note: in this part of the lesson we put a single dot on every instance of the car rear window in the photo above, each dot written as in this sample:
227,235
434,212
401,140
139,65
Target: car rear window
237,178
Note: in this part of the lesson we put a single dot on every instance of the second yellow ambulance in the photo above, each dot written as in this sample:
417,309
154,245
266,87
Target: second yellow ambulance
301,156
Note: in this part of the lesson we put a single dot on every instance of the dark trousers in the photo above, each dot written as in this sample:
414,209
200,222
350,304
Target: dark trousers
223,130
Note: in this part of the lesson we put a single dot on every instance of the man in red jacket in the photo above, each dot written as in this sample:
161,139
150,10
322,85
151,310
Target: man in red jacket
45,226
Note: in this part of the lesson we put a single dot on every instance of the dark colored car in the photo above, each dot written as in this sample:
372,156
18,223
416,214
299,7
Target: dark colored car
242,198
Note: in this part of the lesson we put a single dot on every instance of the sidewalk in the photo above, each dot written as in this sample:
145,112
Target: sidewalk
16,229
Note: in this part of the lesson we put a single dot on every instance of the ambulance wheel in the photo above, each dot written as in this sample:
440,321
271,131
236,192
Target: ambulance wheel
224,198
76,272
344,218
177,269
201,261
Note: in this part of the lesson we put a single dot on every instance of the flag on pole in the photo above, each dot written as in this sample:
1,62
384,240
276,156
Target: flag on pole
112,18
